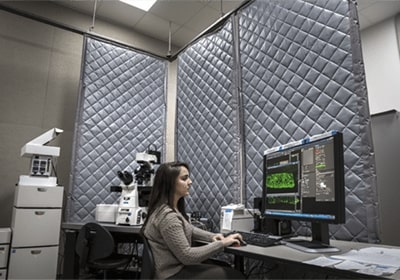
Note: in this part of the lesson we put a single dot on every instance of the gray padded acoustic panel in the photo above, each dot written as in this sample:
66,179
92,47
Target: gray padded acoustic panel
206,122
300,78
121,112
301,74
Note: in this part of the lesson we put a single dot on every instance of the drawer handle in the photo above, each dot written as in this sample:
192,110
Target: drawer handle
2,250
42,189
36,252
40,213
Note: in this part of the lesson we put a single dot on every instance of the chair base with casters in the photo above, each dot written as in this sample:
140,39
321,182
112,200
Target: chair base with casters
96,249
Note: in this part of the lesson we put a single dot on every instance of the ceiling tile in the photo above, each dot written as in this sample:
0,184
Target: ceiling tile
183,36
201,21
362,4
85,7
178,11
156,27
377,12
381,10
123,13
364,21
227,5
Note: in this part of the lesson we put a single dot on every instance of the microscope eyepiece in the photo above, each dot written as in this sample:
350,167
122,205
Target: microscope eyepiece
126,177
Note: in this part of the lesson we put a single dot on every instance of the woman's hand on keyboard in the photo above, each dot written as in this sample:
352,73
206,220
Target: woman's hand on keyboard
218,237
232,240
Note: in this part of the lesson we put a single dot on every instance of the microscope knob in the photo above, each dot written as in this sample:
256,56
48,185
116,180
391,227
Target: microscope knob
144,215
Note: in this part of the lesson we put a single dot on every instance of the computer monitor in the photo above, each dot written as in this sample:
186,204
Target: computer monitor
304,181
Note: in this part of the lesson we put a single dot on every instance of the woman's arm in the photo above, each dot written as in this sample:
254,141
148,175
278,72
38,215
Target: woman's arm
199,234
203,235
174,235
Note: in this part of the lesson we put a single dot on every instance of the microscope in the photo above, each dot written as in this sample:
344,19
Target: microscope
135,190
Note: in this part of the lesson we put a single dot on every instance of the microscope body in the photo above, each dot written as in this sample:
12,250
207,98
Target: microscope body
135,191
129,211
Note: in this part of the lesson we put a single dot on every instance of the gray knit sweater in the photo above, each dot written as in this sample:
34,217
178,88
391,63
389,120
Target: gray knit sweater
170,237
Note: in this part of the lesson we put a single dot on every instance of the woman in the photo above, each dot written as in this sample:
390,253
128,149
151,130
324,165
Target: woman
170,234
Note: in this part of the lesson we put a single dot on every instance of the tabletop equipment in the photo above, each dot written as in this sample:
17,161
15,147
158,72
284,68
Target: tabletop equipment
135,190
42,158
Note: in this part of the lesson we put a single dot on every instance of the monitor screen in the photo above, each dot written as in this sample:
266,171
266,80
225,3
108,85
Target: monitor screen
304,180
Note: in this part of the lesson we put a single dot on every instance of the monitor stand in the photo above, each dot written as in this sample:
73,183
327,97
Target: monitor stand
319,242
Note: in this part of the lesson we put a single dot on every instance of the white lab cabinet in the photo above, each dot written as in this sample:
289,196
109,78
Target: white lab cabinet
41,197
35,227
35,224
5,239
3,273
33,263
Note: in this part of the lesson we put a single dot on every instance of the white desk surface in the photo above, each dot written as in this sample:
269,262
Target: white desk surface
110,226
287,254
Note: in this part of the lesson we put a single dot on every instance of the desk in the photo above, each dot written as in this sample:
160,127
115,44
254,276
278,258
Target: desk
71,266
276,254
287,256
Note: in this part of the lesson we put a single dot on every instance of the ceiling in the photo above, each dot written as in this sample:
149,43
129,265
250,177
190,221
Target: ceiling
186,19
371,12
179,21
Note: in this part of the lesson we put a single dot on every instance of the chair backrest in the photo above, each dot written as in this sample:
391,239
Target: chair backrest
93,242
148,266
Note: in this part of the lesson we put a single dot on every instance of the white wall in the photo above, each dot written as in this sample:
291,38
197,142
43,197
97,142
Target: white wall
82,22
382,66
39,83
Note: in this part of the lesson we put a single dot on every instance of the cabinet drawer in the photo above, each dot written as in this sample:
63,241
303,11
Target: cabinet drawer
33,263
35,227
3,273
32,196
4,255
5,235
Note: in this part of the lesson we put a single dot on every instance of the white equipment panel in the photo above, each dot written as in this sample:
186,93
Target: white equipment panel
3,273
5,239
36,227
35,224
33,263
46,197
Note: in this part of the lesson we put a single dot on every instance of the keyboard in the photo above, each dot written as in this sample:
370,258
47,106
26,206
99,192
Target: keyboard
260,239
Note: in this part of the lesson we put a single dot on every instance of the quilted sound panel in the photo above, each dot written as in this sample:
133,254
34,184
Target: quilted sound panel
302,75
207,137
121,112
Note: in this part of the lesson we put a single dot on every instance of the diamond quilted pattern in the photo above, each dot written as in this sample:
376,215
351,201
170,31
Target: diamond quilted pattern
297,69
301,75
206,123
122,112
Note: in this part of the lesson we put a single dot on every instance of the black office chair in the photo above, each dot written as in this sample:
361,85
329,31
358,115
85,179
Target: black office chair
148,266
97,251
